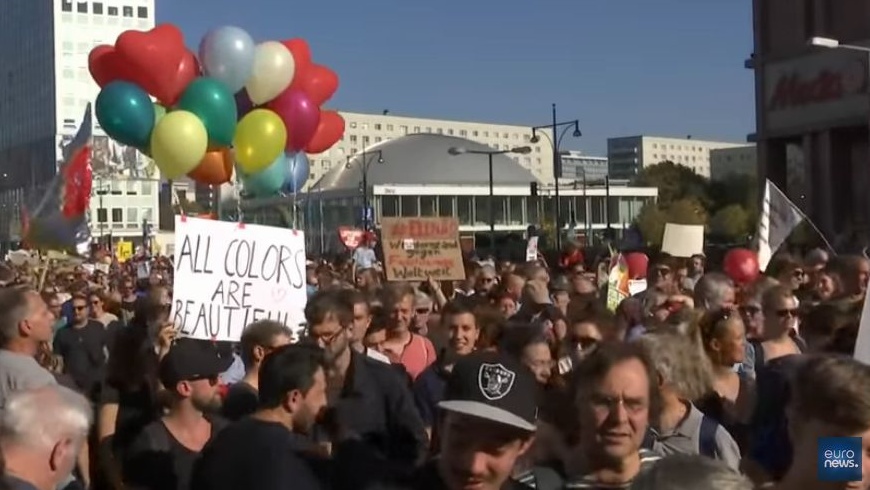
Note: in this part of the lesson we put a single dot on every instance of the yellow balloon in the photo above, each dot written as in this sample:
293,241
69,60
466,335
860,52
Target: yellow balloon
178,143
260,138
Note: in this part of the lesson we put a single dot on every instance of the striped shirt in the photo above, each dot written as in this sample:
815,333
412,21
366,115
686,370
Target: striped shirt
590,482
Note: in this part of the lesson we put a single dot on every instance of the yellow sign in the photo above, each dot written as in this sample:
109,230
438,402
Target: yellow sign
124,251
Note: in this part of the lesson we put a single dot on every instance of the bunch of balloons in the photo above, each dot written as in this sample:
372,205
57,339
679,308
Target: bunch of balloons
252,107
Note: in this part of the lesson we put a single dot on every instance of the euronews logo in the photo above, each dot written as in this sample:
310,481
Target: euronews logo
839,459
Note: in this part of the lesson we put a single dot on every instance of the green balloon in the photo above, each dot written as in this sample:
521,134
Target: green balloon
215,106
159,112
125,113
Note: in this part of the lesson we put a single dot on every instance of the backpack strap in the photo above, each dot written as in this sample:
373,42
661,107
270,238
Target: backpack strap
759,355
707,437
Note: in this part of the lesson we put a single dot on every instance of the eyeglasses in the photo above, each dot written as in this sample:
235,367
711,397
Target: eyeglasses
787,313
423,311
714,318
327,339
585,342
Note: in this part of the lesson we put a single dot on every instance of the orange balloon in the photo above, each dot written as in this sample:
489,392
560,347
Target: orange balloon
216,168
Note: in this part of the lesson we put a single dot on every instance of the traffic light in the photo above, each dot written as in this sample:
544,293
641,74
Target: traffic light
533,189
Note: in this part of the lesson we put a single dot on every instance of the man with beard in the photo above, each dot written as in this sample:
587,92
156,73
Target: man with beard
163,455
367,399
269,449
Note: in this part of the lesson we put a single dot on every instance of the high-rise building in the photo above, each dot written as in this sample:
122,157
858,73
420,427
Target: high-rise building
363,130
627,155
45,86
578,166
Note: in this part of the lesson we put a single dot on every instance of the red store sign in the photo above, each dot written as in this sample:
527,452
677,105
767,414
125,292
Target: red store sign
794,89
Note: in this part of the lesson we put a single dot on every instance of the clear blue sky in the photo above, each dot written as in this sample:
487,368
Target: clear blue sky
623,67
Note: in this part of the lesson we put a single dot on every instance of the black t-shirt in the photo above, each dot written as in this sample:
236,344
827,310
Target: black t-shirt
241,401
158,461
136,409
84,354
258,455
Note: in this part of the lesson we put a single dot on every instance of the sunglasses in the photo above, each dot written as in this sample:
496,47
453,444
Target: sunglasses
787,313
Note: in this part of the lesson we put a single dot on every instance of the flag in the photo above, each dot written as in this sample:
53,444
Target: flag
779,217
76,169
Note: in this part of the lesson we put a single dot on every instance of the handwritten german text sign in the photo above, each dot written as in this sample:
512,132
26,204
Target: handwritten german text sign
228,276
418,248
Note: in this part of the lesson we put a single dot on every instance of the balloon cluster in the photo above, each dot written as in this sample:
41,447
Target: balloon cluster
255,107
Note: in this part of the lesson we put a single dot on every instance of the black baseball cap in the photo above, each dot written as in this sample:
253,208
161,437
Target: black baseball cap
192,359
493,386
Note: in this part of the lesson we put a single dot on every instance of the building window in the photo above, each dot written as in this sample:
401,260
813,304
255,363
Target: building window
365,126
102,215
117,215
505,135
66,5
389,127
142,12
353,138
113,11
377,127
147,213
128,11
416,129
82,7
377,139
440,131
365,140
132,215
97,8
463,132
404,129
474,133
428,129
450,132
353,125
146,188
131,187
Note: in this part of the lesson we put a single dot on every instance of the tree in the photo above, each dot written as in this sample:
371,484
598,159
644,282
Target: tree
652,218
731,223
674,182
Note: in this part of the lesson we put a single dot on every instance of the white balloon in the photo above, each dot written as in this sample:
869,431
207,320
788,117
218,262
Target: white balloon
273,71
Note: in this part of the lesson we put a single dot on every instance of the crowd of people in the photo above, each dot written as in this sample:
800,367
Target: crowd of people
518,377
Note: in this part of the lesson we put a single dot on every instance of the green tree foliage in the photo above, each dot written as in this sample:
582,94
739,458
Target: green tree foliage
731,223
674,182
687,198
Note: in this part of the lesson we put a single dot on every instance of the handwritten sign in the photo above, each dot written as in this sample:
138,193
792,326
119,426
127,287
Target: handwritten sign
227,277
418,248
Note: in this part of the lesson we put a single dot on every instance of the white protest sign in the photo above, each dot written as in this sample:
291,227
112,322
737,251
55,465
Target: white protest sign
862,343
683,240
228,276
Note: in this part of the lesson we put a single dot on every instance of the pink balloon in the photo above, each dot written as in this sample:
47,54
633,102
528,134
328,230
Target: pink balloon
300,115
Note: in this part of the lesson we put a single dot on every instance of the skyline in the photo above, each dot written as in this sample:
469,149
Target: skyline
667,72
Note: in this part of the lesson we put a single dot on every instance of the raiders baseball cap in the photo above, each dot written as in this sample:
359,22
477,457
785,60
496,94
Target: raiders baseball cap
495,387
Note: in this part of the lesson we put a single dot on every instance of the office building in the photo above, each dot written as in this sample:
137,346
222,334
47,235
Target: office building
627,155
46,85
813,103
364,130
740,160
577,166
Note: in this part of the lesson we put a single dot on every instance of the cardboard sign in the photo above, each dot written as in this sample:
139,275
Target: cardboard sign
228,276
683,240
419,248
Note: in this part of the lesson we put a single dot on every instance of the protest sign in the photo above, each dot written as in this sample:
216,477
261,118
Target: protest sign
228,276
419,248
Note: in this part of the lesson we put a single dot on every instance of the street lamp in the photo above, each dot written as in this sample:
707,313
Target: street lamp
520,150
364,164
557,167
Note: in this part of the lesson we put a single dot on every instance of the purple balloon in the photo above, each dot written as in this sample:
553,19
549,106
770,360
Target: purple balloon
300,115
243,103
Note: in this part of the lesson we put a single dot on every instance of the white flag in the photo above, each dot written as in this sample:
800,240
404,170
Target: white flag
779,216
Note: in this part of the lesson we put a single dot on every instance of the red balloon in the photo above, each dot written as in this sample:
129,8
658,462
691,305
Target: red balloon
741,265
637,265
301,52
318,81
107,66
329,131
159,61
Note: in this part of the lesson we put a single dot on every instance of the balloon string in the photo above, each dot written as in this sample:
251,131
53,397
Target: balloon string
177,200
238,199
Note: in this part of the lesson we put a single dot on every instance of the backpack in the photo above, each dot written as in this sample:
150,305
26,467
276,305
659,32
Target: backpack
706,438
769,444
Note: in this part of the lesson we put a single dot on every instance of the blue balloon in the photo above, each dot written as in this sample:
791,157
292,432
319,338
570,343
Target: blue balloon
126,113
298,169
227,54
267,182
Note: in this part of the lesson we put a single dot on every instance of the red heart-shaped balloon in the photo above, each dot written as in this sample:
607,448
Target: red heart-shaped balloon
329,131
162,65
300,50
318,81
107,66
